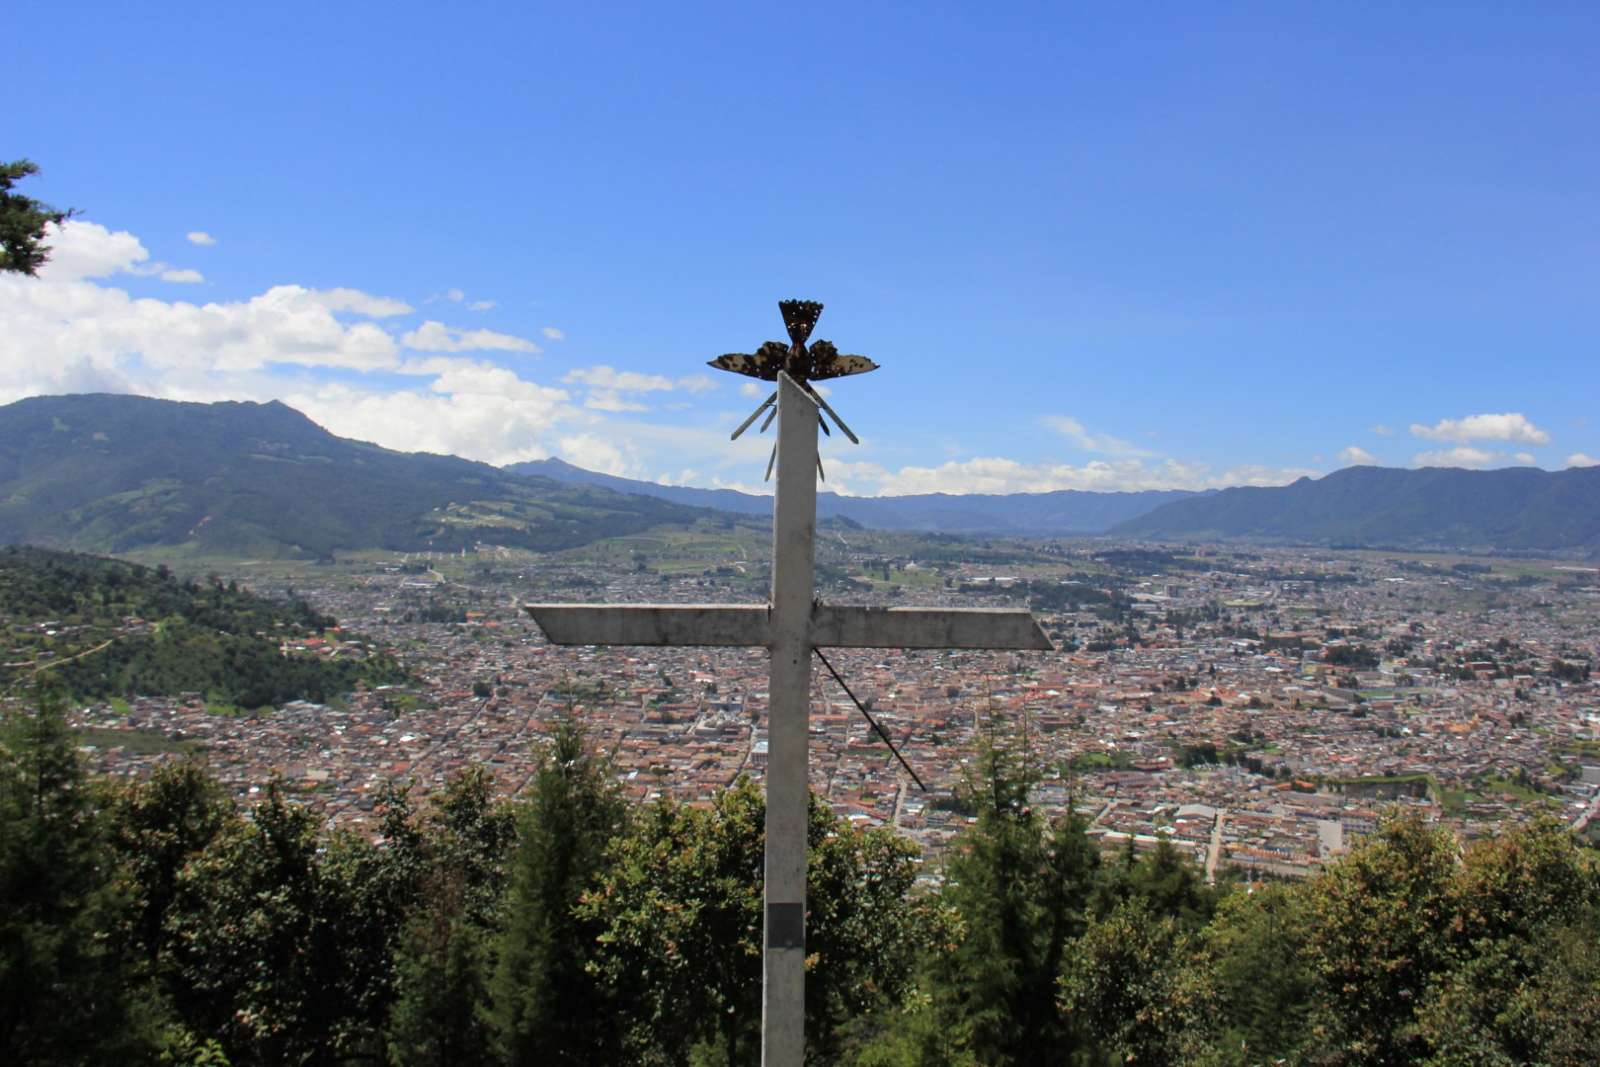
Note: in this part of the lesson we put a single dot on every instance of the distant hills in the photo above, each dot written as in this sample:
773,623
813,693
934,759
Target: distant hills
116,474
103,473
1519,509
1067,511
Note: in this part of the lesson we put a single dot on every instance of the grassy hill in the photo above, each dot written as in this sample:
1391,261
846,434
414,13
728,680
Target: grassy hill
104,473
105,628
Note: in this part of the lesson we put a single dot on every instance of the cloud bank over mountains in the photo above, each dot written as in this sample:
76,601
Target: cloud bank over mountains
375,368
1508,428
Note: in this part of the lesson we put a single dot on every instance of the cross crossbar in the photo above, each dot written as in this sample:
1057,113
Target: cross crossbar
832,626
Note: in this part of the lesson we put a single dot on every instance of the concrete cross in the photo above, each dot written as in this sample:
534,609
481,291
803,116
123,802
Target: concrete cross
791,625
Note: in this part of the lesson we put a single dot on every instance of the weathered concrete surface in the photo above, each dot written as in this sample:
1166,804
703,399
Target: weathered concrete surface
846,627
794,515
652,624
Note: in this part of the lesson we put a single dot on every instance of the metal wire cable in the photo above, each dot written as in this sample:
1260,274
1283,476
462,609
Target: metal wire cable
868,715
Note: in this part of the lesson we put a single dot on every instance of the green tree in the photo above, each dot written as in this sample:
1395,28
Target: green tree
1379,921
156,826
1514,1002
1515,883
1256,942
23,221
442,974
281,939
1166,880
1526,938
678,915
863,934
67,992
1019,890
445,960
679,908
1134,992
548,1007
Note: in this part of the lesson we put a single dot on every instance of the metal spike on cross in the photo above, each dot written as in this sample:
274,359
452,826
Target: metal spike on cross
801,363
791,625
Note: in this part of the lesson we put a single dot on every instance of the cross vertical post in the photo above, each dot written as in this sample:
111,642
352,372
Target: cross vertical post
788,726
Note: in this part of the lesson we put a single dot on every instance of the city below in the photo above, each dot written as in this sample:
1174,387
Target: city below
1258,707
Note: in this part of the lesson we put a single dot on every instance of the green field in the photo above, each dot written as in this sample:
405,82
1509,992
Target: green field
140,742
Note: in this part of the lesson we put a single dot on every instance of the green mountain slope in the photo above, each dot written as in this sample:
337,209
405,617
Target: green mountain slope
104,628
1435,507
106,473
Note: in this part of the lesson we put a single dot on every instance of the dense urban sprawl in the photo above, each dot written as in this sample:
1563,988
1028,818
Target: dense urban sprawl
1259,708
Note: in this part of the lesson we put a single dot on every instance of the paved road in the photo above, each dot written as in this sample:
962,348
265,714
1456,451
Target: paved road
1582,821
1214,853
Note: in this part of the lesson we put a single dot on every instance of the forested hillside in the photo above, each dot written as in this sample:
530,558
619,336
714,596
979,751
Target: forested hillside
105,473
153,922
102,628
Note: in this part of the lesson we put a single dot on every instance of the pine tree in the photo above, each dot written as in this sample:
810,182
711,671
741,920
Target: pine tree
444,960
67,993
23,221
1019,890
547,1008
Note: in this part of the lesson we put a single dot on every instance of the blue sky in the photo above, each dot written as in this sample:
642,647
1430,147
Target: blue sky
1091,247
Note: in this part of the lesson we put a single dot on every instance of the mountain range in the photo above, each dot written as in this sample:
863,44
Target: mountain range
1517,509
106,473
1068,511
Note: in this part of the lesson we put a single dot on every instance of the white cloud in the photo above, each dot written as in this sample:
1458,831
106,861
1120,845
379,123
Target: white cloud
596,453
607,386
610,400
753,391
553,334
434,336
1510,426
1462,456
645,446
480,305
470,408
1580,459
455,294
200,237
358,303
1382,430
1103,443
81,249
1356,456
64,336
604,377
1525,458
